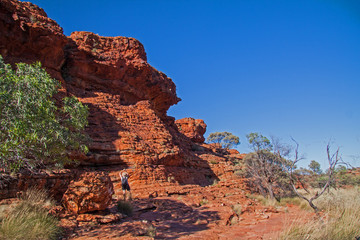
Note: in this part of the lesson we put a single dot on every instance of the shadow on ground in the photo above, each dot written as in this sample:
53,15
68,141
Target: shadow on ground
170,219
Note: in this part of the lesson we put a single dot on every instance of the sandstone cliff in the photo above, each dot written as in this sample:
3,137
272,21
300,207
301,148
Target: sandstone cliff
128,99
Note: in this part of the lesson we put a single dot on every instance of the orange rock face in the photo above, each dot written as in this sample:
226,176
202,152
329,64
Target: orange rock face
56,183
127,98
92,191
28,35
115,66
192,128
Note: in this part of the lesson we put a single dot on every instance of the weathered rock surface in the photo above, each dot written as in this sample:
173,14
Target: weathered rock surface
192,128
117,66
127,99
92,191
56,183
28,35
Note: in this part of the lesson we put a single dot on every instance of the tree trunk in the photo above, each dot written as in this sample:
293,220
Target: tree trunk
270,190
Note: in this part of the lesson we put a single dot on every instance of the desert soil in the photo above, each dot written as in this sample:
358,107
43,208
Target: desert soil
193,212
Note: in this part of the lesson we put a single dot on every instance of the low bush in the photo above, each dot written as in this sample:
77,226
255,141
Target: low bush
125,207
28,219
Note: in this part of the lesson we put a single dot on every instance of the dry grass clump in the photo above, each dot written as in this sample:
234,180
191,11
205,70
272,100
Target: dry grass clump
237,208
340,211
29,219
151,231
283,201
37,197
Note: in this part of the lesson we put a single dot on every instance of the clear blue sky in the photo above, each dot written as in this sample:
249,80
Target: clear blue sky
284,68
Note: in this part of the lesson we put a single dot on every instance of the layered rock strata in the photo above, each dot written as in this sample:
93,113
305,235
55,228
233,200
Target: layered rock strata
127,98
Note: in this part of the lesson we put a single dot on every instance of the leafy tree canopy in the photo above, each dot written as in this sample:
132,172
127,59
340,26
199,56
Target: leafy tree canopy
34,130
315,167
259,142
225,139
266,167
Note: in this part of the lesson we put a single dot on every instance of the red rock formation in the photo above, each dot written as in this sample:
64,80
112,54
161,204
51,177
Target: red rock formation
127,98
117,66
92,191
192,128
28,35
55,182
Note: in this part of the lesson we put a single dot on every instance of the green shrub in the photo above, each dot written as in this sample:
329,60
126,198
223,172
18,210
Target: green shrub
34,131
28,219
125,207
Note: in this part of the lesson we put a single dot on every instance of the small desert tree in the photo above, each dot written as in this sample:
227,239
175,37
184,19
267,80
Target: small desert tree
34,130
314,166
224,139
263,167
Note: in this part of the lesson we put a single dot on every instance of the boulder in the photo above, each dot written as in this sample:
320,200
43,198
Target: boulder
192,128
92,191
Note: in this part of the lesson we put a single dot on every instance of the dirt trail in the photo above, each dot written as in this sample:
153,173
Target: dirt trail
192,212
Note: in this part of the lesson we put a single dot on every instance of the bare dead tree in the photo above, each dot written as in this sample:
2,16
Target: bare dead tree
333,160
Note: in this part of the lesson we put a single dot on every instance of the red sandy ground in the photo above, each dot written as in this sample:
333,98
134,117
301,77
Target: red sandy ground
193,212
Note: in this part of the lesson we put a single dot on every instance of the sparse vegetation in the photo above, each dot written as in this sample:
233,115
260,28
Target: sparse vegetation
282,202
265,169
151,231
215,182
340,218
29,219
203,202
333,159
237,208
225,139
213,162
263,200
344,178
234,220
125,207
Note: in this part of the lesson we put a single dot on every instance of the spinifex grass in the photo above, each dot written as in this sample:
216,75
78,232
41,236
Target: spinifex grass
340,211
29,219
